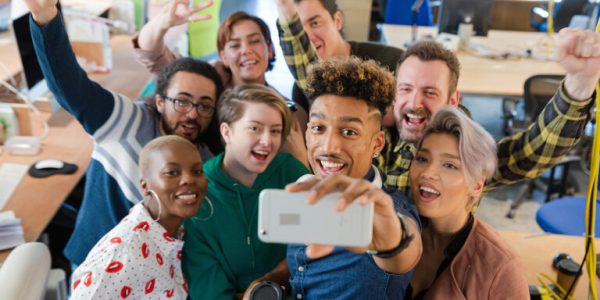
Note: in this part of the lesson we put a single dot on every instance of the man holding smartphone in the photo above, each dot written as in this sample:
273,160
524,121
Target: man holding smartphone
344,133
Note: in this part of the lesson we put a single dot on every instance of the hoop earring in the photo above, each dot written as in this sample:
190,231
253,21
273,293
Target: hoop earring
212,210
155,196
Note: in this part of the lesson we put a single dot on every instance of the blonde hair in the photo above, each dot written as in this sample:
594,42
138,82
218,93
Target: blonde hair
232,104
157,144
476,147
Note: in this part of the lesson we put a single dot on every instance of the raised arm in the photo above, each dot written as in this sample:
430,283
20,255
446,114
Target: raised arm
561,124
297,49
149,46
84,99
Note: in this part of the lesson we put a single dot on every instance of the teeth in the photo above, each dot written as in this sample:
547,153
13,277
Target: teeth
429,190
249,62
189,126
413,116
186,196
331,164
259,152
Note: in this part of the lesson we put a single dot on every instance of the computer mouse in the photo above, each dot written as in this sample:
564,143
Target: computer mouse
49,167
49,164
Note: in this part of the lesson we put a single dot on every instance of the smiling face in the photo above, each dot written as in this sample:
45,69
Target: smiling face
323,30
438,184
246,53
186,86
252,141
422,88
343,135
175,174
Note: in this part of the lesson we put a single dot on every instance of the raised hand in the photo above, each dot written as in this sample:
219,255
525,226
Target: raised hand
579,54
179,12
43,11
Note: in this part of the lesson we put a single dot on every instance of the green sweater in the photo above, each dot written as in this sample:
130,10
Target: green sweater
223,254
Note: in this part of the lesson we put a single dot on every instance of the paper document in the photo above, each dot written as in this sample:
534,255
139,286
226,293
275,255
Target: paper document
11,230
10,177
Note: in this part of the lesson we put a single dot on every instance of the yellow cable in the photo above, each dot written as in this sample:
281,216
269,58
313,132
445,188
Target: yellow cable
551,291
592,196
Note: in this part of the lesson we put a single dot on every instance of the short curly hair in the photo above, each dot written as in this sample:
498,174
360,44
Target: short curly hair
352,77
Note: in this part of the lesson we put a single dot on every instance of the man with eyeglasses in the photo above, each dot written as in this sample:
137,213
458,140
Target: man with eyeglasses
184,104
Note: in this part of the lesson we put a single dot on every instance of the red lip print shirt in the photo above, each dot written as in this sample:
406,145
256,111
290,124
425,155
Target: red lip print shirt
135,260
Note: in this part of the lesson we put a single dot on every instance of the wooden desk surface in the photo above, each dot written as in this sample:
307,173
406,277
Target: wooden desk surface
36,201
486,76
537,252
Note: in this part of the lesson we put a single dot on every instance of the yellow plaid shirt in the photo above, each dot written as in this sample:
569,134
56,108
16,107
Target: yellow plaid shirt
297,49
523,155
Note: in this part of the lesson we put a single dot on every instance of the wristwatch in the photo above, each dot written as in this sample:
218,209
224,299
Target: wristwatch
404,241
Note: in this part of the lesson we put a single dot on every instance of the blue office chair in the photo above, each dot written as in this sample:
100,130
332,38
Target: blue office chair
565,216
399,12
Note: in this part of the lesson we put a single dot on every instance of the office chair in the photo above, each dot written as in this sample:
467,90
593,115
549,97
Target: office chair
538,90
563,12
565,216
399,12
25,272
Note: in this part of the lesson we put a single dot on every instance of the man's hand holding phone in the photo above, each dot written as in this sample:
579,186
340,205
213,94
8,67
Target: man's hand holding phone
386,225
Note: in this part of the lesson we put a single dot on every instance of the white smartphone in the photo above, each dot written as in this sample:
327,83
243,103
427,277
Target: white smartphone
285,217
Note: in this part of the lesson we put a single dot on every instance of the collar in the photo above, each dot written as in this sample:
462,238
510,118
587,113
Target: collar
372,176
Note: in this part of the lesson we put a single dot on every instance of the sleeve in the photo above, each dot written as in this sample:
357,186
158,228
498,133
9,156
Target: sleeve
509,282
154,60
557,129
86,100
297,49
204,275
111,271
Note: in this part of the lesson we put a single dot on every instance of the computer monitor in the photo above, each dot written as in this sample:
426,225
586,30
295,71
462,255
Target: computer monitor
34,78
453,12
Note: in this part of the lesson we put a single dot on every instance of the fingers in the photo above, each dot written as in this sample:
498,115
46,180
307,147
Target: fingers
201,6
194,18
301,186
318,251
582,44
333,183
357,190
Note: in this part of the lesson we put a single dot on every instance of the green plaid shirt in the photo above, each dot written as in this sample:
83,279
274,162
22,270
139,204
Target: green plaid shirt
523,155
297,49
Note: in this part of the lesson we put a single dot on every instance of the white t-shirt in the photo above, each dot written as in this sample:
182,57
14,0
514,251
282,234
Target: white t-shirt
136,259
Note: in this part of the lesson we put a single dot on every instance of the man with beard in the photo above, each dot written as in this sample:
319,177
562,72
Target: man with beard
184,105
426,80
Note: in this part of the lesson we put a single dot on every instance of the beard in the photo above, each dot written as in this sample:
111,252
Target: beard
412,135
171,130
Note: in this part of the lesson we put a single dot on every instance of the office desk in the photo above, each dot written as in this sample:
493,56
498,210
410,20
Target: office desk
485,76
36,201
537,251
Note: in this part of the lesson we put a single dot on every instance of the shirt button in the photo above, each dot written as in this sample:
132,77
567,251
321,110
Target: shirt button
298,296
300,269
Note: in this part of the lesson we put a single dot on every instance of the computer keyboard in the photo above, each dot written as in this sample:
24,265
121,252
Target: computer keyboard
10,177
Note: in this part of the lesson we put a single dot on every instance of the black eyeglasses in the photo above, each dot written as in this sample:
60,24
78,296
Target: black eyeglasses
185,106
